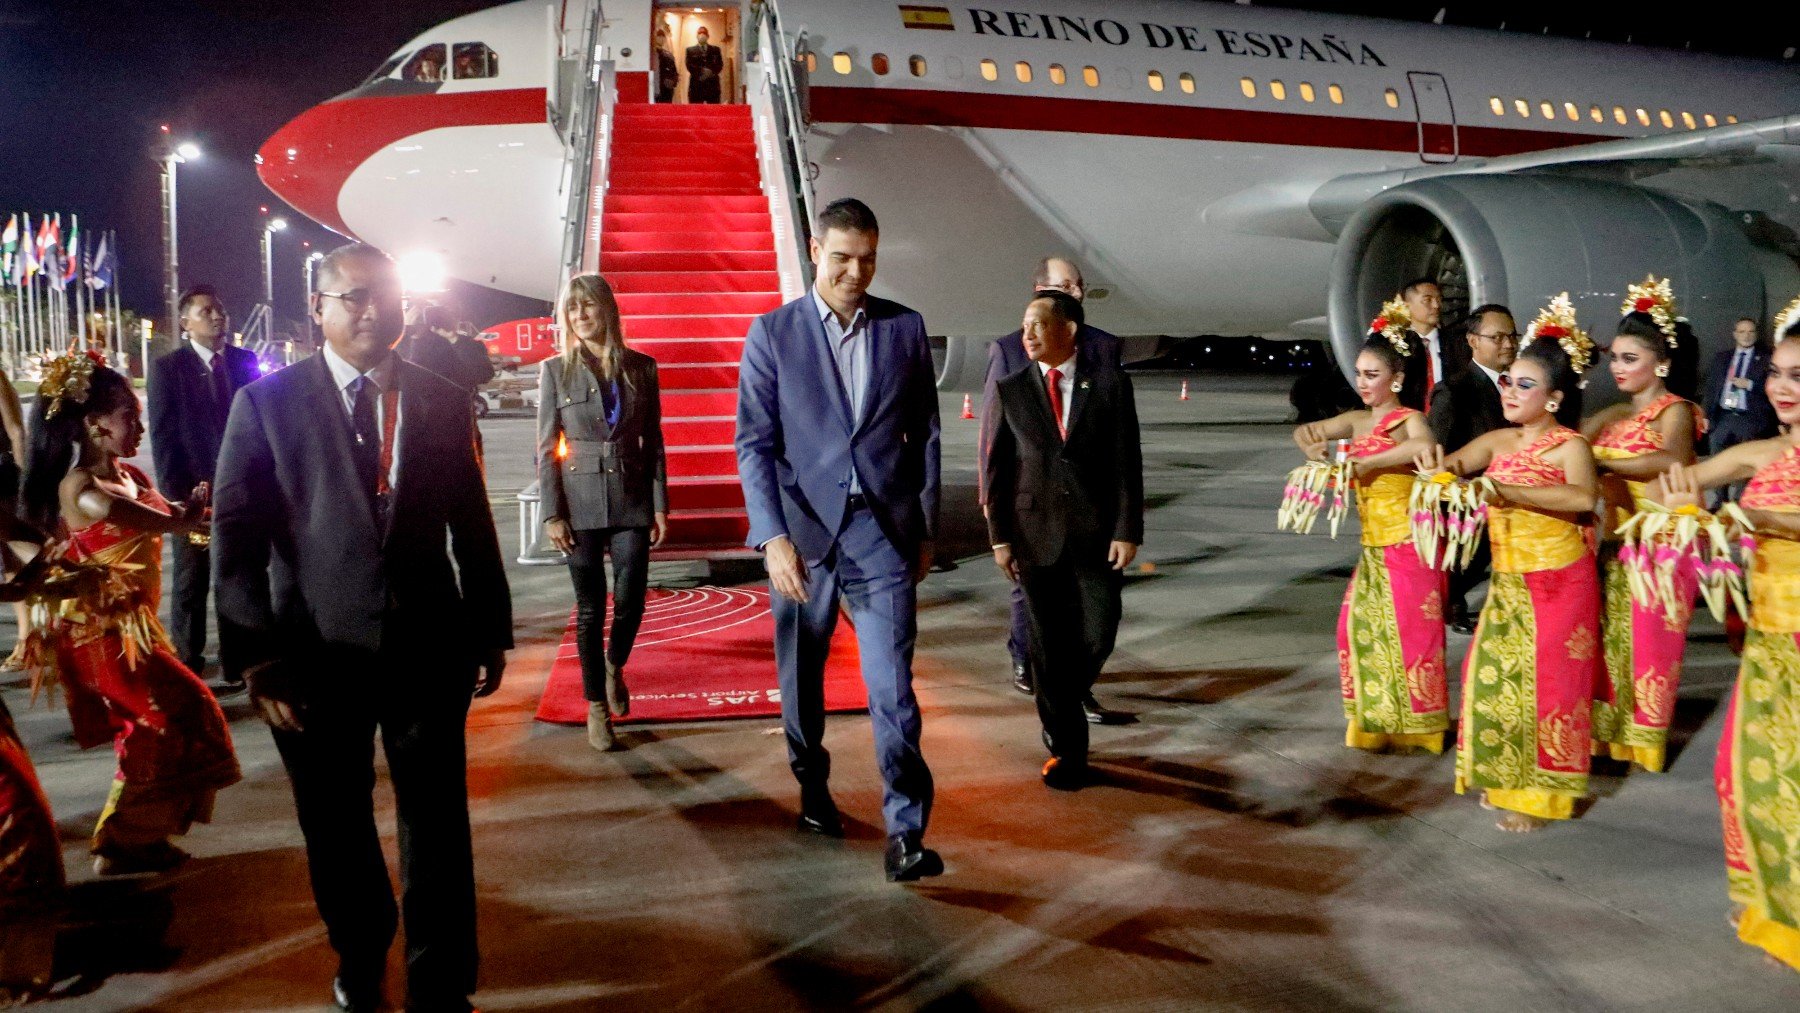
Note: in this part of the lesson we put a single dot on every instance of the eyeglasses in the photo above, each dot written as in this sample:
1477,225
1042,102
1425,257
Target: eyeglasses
1500,337
358,299
1506,381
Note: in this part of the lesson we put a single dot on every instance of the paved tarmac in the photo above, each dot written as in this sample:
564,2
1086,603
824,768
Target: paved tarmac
1236,857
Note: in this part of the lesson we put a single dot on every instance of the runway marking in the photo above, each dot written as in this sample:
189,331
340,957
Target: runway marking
704,607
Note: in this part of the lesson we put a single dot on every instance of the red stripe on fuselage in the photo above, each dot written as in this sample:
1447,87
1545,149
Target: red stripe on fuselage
920,107
329,141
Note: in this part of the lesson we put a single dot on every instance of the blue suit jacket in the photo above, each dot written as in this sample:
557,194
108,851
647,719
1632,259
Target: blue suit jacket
1094,348
796,441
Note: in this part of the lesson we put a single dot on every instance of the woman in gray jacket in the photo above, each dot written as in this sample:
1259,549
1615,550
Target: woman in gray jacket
604,481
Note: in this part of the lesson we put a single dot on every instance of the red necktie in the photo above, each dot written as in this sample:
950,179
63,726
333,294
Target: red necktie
1053,383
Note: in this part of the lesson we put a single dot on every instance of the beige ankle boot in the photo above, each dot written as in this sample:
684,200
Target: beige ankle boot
600,729
617,696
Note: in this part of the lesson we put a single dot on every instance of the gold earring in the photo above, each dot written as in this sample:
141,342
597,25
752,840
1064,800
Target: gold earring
1552,406
1662,369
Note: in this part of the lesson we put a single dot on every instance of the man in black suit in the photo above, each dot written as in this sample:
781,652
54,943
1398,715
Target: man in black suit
1006,356
1736,405
190,393
1464,407
704,65
361,591
1065,483
667,77
1425,303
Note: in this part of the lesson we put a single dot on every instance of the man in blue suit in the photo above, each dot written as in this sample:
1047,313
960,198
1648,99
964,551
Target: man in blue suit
837,444
1006,356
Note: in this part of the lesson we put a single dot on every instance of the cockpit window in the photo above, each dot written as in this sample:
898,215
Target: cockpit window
475,60
426,66
386,68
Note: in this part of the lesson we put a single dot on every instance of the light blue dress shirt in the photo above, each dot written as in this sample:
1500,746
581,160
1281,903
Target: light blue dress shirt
850,348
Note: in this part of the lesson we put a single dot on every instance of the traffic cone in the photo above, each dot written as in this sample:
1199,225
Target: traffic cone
968,407
1184,396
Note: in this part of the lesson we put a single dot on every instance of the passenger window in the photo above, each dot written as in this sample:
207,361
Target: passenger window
990,71
840,62
1667,120
879,64
1306,92
1711,120
1523,107
1643,118
475,60
1687,120
1619,116
1337,95
1187,82
1091,77
1596,114
426,66
1731,119
917,65
1155,79
1278,90
1022,71
1247,86
1497,106
1058,75
1570,111
1393,99
1547,109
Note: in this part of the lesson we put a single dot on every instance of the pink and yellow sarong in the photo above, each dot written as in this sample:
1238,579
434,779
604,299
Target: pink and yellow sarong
1529,676
1758,769
1634,704
1391,628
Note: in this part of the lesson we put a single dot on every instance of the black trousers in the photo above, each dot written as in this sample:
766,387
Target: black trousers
187,600
1074,612
630,551
1465,580
418,709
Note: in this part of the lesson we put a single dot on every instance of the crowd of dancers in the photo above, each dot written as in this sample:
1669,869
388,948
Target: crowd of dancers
1599,541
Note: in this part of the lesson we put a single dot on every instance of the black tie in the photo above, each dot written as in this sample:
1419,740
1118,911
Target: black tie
221,387
367,430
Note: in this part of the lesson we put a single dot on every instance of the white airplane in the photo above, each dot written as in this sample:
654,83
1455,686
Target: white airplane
1215,167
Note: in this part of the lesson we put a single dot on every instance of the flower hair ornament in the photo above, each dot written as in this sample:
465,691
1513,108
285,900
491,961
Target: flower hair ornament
1392,323
66,379
1557,322
1790,315
1655,299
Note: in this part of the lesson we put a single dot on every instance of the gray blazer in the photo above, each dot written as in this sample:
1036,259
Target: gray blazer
612,478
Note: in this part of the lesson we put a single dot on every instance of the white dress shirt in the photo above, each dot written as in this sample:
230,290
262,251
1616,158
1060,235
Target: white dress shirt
1065,387
343,375
206,354
1492,374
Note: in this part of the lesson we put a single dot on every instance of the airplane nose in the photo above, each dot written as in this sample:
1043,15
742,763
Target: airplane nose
308,160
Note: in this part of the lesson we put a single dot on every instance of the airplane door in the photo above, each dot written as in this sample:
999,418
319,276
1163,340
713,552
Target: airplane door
1437,117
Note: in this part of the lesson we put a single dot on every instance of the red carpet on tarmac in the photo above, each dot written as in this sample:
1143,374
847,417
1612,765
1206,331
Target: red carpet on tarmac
702,653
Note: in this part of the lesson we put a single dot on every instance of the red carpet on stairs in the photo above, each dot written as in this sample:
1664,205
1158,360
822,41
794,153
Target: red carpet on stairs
702,653
687,244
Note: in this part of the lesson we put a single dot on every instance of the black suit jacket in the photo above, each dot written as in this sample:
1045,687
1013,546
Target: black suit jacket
185,426
704,64
1453,348
1464,407
1094,347
301,564
1048,497
1762,413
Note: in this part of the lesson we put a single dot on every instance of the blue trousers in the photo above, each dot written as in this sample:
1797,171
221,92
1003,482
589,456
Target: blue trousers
875,579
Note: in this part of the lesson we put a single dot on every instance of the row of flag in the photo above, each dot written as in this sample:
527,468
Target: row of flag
23,255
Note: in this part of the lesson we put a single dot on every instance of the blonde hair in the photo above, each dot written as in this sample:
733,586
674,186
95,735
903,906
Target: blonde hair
612,335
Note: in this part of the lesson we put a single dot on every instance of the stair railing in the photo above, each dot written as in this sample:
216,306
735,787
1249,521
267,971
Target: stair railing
781,146
589,124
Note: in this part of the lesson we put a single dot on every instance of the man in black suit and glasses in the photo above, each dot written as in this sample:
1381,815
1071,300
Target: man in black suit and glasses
1466,406
1065,481
190,393
361,591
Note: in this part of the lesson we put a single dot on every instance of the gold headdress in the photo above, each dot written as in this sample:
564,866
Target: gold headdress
1557,321
1790,315
66,378
1655,299
1392,324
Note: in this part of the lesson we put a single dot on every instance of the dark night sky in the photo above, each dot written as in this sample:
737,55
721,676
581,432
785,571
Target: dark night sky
84,85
